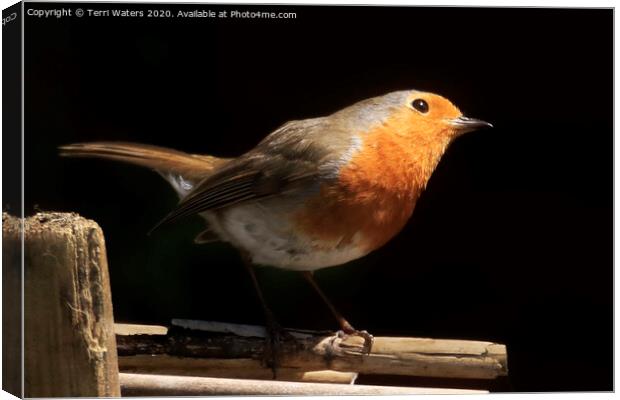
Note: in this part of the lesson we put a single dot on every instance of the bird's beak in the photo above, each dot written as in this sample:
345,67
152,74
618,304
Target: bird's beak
464,124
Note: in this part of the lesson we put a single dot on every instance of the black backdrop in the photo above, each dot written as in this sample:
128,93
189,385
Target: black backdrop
511,242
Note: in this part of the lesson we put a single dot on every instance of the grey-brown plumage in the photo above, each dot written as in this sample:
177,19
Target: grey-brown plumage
287,160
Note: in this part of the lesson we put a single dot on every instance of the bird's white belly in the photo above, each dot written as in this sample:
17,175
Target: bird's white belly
269,239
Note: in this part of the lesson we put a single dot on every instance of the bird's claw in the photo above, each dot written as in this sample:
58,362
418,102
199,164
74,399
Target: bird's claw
368,338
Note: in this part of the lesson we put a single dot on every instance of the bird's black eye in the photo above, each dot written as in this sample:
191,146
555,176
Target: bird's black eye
420,105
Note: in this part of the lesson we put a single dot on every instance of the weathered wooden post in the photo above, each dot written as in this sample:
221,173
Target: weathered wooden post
11,305
69,342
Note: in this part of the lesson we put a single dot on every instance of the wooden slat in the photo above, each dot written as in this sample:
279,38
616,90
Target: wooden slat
224,368
166,385
211,346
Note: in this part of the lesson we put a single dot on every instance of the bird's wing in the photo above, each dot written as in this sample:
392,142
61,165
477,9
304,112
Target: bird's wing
285,161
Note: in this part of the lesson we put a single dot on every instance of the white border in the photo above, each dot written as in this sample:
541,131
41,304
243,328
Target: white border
481,3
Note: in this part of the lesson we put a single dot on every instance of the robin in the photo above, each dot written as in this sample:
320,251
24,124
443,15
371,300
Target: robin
315,193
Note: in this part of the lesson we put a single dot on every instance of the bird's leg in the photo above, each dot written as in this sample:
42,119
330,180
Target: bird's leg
346,327
275,332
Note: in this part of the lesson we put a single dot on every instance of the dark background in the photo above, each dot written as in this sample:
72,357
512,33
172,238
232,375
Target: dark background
511,242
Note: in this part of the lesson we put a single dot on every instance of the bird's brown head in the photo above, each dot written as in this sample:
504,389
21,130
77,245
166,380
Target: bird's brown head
405,132
427,116
419,125
422,117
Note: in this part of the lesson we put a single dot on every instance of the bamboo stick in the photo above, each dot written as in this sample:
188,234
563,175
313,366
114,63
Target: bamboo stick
166,385
219,344
245,368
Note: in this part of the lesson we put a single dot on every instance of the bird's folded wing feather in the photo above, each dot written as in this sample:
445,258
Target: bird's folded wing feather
284,161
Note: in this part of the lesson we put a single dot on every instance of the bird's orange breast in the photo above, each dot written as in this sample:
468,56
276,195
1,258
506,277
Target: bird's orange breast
374,195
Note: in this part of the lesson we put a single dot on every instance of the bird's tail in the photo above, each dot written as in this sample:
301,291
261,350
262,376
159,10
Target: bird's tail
181,170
